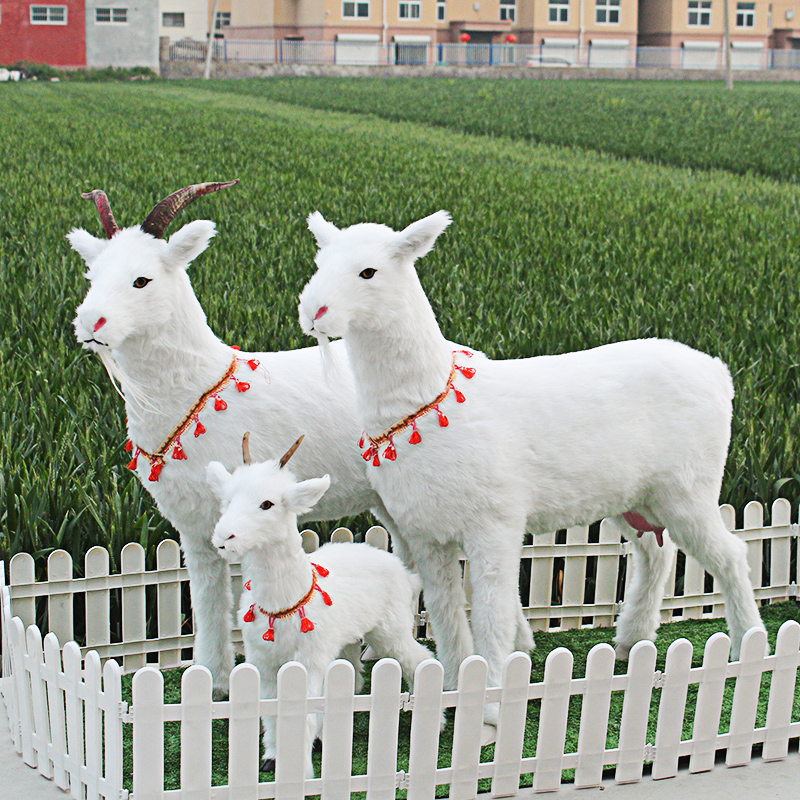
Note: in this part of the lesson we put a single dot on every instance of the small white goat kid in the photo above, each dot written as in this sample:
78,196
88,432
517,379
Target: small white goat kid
638,428
301,609
143,320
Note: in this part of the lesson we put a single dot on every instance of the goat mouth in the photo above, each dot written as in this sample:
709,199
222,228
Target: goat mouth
95,341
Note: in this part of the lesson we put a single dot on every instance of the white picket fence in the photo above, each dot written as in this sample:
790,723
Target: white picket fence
67,714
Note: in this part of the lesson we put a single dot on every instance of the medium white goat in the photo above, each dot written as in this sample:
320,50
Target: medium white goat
638,428
305,609
143,320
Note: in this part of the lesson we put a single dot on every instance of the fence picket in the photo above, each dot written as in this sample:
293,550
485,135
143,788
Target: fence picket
22,570
92,723
112,728
310,541
59,604
553,720
424,750
148,734
168,557
672,708
133,603
243,733
196,685
291,732
342,535
19,651
605,591
511,725
594,716
781,692
781,547
377,537
71,655
98,612
694,578
753,519
541,581
635,712
383,730
55,703
745,698
337,731
575,576
709,703
41,729
468,727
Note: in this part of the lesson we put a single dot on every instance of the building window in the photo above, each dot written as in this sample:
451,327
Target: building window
173,19
745,15
223,20
441,12
700,12
48,15
508,10
559,10
113,16
353,10
608,12
410,10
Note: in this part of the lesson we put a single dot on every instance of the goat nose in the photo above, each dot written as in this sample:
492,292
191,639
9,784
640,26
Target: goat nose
99,324
321,313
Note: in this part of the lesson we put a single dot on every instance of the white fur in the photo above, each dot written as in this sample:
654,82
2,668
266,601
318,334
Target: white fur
157,345
371,591
540,444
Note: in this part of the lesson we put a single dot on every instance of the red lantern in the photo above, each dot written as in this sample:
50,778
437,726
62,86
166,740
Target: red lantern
465,37
511,38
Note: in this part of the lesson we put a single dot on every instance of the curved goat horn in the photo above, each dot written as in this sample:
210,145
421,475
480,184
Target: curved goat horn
291,451
106,217
246,448
169,208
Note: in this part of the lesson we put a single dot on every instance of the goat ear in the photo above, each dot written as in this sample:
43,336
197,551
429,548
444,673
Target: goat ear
301,497
323,230
86,245
217,477
185,245
418,238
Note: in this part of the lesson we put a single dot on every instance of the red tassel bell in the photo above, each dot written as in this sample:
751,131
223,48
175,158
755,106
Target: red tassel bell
321,571
177,452
459,395
155,471
443,421
269,636
415,437
200,429
467,372
390,452
250,614
134,461
128,446
219,404
254,364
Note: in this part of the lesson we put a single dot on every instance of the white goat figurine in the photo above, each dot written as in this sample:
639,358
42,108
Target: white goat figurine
143,320
301,609
637,428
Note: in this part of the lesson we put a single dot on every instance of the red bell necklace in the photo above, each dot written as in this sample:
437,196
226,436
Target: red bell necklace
158,458
410,421
306,624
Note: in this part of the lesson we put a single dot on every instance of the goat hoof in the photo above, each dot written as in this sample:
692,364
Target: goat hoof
268,765
621,652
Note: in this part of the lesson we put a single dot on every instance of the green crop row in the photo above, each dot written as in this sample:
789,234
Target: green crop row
755,129
551,250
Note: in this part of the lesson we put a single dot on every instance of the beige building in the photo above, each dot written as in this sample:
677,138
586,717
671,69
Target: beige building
597,32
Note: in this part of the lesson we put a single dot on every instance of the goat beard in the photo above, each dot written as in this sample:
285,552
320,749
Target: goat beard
133,394
331,365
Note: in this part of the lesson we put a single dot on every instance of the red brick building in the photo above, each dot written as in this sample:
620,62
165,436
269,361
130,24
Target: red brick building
44,32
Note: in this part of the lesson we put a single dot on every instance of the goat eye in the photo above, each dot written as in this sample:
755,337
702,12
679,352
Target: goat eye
267,504
367,273
140,283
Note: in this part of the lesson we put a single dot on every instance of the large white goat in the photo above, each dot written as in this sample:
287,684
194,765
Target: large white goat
297,608
143,320
471,455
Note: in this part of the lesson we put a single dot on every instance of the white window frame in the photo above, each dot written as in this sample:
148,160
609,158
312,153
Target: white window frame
49,20
746,15
508,10
113,11
558,11
171,14
410,7
700,10
441,11
223,20
607,12
356,4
